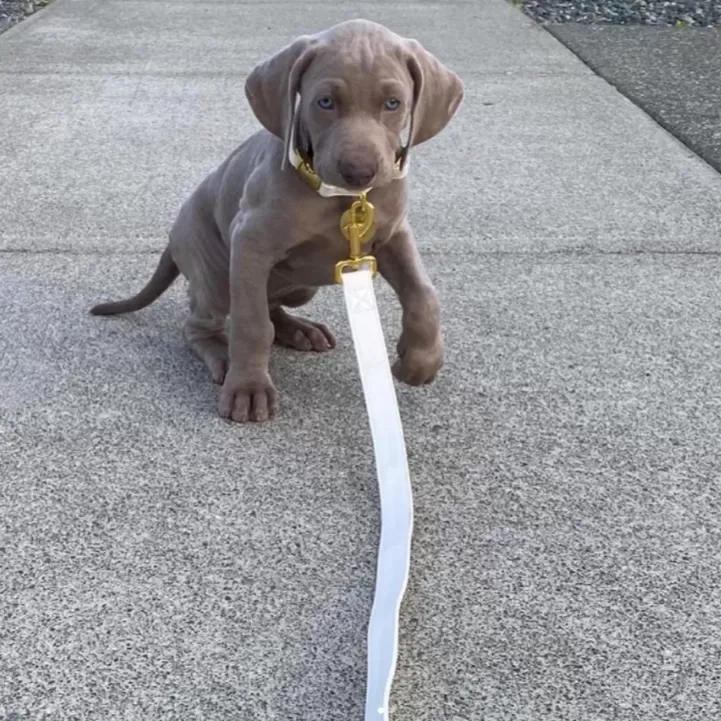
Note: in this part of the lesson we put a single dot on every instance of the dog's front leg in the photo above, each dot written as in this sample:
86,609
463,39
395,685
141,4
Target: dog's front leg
248,392
420,347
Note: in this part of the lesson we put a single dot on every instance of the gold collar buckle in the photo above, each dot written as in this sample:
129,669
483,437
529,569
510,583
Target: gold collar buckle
303,165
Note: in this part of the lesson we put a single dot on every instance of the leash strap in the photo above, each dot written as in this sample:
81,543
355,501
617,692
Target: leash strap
394,485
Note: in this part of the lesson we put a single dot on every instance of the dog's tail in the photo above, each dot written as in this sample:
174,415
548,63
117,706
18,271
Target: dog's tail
162,279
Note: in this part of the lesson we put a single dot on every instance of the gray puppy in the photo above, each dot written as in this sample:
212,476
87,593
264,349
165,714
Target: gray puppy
262,232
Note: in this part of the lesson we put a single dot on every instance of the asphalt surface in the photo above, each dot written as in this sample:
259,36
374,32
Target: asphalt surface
158,563
674,75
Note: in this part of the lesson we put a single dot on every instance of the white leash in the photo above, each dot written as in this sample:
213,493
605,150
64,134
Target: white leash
394,484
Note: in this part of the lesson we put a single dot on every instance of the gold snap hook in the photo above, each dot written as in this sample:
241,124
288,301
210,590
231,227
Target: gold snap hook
358,226
358,222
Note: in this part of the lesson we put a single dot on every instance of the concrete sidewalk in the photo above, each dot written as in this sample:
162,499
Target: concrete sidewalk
157,563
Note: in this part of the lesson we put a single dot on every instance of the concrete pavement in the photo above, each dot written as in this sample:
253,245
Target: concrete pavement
159,564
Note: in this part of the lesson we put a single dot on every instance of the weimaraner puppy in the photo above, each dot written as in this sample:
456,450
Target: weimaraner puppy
259,235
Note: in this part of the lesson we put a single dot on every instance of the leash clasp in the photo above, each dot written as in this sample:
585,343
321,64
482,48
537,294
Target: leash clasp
358,226
353,264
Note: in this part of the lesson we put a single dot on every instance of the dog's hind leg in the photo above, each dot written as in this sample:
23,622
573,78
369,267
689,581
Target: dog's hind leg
299,333
206,335
203,258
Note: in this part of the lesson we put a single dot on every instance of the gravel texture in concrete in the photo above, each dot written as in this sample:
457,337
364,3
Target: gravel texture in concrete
679,13
159,563
14,11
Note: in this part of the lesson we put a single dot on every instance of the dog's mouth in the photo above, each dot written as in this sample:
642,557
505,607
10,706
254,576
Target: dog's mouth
352,178
362,176
355,187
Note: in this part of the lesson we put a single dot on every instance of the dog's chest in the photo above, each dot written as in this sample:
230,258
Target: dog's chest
312,260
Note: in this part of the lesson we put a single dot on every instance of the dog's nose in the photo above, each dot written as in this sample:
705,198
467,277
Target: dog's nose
357,175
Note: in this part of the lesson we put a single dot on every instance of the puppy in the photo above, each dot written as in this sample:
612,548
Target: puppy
262,232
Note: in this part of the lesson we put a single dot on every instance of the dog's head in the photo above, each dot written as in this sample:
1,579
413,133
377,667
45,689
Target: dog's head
347,96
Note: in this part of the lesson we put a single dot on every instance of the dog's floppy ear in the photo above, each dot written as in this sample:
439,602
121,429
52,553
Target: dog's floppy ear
437,94
272,86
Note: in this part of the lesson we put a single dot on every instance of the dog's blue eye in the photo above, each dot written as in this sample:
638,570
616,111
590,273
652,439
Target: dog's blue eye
326,102
392,104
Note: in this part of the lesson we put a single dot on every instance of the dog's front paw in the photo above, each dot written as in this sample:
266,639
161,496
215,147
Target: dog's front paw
418,365
248,397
